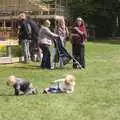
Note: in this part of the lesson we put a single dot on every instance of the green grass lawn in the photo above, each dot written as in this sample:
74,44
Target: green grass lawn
96,96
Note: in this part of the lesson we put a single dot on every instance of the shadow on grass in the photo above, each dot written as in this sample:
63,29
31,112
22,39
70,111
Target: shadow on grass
27,67
116,42
30,67
38,68
3,95
34,67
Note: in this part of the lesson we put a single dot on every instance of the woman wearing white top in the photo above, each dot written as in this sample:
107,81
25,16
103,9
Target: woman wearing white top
63,33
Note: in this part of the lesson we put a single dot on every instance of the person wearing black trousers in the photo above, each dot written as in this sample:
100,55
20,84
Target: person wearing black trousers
46,56
45,41
79,36
34,36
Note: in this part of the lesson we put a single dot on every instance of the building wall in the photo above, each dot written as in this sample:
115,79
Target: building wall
9,9
15,5
8,5
55,6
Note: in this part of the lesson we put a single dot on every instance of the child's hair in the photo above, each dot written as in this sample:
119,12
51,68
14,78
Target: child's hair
11,80
70,80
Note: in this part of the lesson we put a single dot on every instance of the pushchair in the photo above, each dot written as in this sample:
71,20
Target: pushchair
63,54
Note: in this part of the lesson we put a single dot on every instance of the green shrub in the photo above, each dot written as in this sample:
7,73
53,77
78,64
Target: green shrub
16,51
2,51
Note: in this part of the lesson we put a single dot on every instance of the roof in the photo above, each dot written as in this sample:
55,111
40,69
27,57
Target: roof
21,5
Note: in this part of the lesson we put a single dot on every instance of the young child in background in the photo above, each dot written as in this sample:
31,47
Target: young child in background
64,85
21,86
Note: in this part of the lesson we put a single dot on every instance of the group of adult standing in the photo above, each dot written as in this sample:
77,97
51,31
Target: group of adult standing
31,37
28,36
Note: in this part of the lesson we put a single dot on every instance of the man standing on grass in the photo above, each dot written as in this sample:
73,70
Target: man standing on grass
24,36
34,36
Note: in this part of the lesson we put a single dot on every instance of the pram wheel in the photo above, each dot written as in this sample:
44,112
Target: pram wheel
79,67
35,91
76,64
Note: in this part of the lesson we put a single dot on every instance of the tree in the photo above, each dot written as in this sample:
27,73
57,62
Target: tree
101,13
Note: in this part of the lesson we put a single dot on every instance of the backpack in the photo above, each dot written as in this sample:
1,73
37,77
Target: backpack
29,31
29,28
34,27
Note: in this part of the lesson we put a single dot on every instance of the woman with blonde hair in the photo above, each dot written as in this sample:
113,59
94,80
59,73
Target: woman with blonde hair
63,33
62,30
64,85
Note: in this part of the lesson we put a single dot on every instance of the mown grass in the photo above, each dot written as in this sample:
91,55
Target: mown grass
96,97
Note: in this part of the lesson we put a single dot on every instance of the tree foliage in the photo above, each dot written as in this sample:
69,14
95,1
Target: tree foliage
101,13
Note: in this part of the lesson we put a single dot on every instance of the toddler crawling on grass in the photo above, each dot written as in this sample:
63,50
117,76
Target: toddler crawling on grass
21,86
64,85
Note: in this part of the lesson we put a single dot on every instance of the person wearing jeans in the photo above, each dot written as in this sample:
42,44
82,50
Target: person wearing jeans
25,50
63,33
24,36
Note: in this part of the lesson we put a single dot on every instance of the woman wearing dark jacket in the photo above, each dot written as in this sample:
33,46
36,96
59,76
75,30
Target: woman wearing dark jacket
79,36
34,36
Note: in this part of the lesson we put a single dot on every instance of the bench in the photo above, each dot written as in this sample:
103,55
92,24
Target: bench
9,59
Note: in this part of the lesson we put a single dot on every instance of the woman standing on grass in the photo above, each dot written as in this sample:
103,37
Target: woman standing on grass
63,33
45,41
79,37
